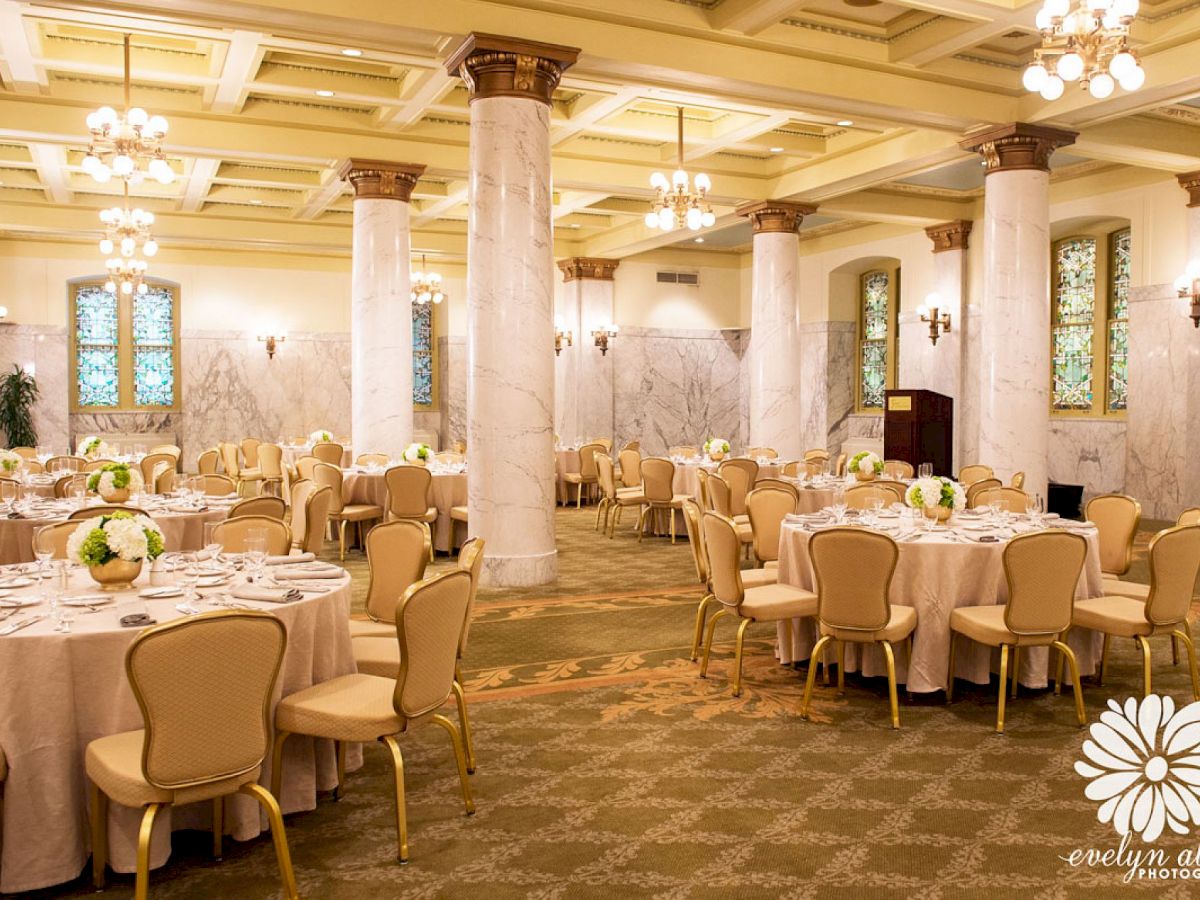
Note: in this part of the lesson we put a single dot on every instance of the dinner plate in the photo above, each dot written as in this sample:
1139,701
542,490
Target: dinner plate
161,592
88,600
887,514
16,583
977,528
212,580
18,602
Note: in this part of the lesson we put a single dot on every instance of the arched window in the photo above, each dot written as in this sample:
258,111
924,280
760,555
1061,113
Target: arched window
876,336
124,348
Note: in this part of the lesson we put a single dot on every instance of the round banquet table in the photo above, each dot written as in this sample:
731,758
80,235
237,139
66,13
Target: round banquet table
39,486
63,690
936,574
293,452
448,489
182,528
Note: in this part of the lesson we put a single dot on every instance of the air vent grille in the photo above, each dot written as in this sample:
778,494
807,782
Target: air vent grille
689,278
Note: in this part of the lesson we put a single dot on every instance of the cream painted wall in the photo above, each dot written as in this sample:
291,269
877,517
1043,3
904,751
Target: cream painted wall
721,300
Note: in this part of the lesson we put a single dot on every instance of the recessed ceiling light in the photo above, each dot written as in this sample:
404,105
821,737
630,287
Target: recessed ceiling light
776,149
574,225
324,93
845,123
256,202
351,51
699,240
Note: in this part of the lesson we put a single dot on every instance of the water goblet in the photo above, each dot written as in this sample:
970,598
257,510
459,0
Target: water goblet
188,568
212,546
256,551
874,507
925,470
43,555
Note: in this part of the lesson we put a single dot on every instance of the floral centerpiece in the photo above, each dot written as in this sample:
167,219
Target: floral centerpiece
91,447
866,466
320,436
419,454
9,461
114,546
114,481
716,448
937,497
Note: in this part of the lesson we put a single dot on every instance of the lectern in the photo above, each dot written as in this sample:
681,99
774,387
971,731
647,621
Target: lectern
918,426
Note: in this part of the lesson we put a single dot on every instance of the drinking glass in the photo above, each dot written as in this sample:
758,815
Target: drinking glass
188,568
256,550
996,509
1033,508
43,560
925,470
875,506
8,493
212,546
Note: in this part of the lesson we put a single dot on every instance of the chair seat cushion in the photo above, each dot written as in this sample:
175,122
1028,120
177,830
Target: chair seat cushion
577,478
458,513
899,626
636,490
745,532
371,628
431,515
377,655
771,602
359,512
250,474
771,564
631,497
1126,589
348,708
752,578
743,519
1116,615
985,624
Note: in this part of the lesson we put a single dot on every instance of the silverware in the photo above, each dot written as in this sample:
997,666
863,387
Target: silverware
24,623
187,609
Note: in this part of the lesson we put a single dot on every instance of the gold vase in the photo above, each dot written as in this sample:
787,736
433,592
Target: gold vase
716,455
941,513
116,495
865,476
116,574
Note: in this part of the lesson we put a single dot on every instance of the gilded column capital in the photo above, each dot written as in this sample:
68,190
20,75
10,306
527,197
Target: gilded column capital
776,216
1190,182
376,179
495,66
950,235
576,268
1017,145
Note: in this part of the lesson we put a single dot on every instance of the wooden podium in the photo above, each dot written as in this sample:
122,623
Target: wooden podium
918,427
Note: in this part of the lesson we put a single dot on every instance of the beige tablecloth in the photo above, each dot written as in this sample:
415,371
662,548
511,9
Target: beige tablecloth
63,690
448,489
934,576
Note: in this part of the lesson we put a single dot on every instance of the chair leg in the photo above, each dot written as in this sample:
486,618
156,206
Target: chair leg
579,496
278,836
841,650
1058,669
1104,660
890,657
701,612
1174,650
671,513
339,749
461,699
949,669
1067,653
1003,688
460,759
640,522
812,674
99,836
1190,646
712,626
342,539
599,509
277,763
401,815
1016,670
1146,680
141,886
737,653
218,829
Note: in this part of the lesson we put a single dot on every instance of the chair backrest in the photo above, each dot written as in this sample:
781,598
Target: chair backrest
95,464
206,462
316,520
815,454
229,458
605,475
702,476
633,445
897,469
1018,480
839,465
978,487
762,452
777,484
854,569
1174,565
740,474
792,469
767,505
54,537
397,553
860,496
897,488
1117,517
329,476
150,461
1190,516
62,486
658,479
164,481
968,475
328,452
372,459
272,507
408,489
1011,499
232,534
724,552
301,488
168,448
587,459
429,626
103,509
470,560
204,684
717,492
631,467
250,452
695,529
683,451
1042,569
65,463
217,485
25,452
606,443
449,458
270,460
305,466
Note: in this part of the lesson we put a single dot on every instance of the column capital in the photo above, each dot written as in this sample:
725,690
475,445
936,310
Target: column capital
950,235
1190,182
376,179
496,66
776,216
1017,145
593,268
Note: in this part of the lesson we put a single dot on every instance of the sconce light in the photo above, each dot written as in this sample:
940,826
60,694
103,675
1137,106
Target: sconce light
3,313
1188,285
603,335
271,340
561,336
938,324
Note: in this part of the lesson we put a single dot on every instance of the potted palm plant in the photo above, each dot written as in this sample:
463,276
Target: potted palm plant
18,393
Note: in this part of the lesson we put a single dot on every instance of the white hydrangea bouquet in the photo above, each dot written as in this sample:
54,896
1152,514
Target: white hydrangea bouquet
91,447
716,447
866,466
115,481
114,546
417,453
937,497
9,461
320,436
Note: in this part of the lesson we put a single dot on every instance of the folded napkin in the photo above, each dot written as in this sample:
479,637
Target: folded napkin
290,560
266,594
307,572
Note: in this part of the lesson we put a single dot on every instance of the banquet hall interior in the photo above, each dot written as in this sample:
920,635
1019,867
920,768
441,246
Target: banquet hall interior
758,435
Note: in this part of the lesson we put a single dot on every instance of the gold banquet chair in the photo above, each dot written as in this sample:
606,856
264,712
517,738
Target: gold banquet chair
630,459
232,534
361,708
1011,499
310,516
204,686
1190,516
305,466
658,480
717,491
740,474
860,496
54,537
683,451
1116,517
409,496
340,512
854,570
270,466
613,499
767,603
1042,570
372,459
241,476
148,464
397,553
983,484
206,462
968,475
273,507
329,452
767,505
586,476
249,449
762,452
1018,480
815,455
897,469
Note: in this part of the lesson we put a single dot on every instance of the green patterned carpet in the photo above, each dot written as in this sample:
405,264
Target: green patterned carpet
608,769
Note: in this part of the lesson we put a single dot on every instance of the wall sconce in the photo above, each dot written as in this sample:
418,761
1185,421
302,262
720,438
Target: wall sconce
3,313
271,341
603,335
1188,286
938,324
561,336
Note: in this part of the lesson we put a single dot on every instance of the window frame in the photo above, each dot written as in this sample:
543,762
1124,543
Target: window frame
434,380
891,342
125,347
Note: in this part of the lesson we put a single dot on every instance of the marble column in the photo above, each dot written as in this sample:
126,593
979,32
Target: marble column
774,358
584,399
510,304
1014,397
381,399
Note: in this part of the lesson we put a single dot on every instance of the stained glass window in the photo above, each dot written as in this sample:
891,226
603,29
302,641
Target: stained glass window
97,343
1074,307
422,337
874,337
1118,322
154,348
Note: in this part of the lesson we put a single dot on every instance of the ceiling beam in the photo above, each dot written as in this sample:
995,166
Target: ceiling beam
51,162
242,58
456,195
1140,141
199,180
435,84
734,136
591,113
750,16
320,199
18,67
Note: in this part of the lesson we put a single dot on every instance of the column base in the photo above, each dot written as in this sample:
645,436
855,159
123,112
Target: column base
519,571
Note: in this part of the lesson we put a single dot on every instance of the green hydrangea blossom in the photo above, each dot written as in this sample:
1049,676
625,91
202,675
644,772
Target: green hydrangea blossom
120,475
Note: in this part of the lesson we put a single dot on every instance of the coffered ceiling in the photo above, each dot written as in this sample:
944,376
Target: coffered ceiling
856,106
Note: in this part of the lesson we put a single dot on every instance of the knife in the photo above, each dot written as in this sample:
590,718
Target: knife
24,623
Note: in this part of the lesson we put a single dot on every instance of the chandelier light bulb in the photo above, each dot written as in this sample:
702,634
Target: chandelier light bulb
110,286
142,289
160,170
1070,66
106,247
694,218
703,183
651,220
1035,76
708,219
1043,20
157,126
150,248
122,165
677,204
128,245
102,174
107,116
679,179
1052,89
1122,65
1134,79
437,297
659,181
1057,8
137,117
126,287
1101,85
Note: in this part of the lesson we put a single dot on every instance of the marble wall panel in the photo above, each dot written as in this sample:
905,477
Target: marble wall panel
1090,452
45,349
452,363
827,379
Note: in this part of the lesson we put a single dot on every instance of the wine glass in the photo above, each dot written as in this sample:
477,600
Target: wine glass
925,470
874,507
1033,508
188,569
8,493
212,545
256,550
996,510
43,555
839,504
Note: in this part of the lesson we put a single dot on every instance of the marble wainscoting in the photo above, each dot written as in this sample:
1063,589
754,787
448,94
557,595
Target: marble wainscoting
151,428
1090,452
452,389
678,386
827,383
44,348
968,409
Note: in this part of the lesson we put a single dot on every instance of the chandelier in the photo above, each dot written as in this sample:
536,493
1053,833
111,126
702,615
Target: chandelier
675,204
126,273
127,231
128,144
426,286
1088,42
